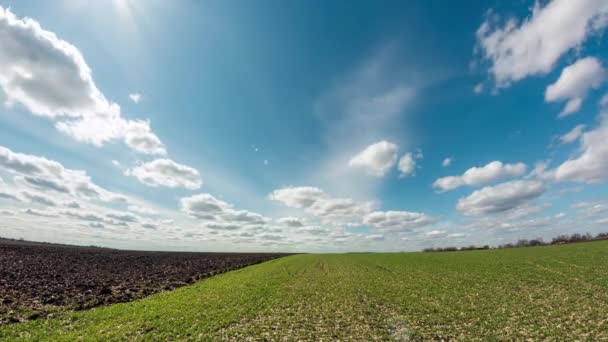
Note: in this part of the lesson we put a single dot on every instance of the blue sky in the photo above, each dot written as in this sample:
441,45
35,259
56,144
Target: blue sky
302,125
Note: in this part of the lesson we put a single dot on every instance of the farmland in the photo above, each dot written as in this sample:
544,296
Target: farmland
42,279
552,292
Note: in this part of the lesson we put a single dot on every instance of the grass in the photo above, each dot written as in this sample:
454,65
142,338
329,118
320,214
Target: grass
541,293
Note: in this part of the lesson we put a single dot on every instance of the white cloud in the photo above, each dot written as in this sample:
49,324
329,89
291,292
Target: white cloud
572,135
585,204
122,217
166,172
447,162
456,235
339,208
38,198
516,51
407,163
142,210
292,222
43,183
50,78
375,237
219,215
8,195
313,230
376,159
135,97
604,100
591,209
49,175
574,83
591,166
72,204
500,198
397,220
298,197
139,136
203,206
101,217
42,213
435,233
341,212
319,204
541,171
491,172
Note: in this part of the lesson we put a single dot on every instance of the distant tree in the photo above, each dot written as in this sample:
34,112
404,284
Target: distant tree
536,242
560,239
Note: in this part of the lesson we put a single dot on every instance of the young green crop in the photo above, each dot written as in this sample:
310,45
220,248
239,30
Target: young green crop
555,292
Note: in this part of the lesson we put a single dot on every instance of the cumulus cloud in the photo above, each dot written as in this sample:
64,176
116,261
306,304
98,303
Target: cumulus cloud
38,199
8,196
83,215
142,210
100,217
376,159
604,100
41,213
50,78
574,83
72,204
590,209
298,197
219,215
123,217
313,230
434,233
341,212
317,203
139,136
292,222
447,162
572,135
243,217
591,165
517,50
203,206
500,198
456,235
49,175
407,164
45,184
167,173
523,211
397,220
375,237
135,97
489,173
541,171
149,225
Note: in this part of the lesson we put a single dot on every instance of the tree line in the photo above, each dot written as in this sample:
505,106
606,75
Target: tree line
558,240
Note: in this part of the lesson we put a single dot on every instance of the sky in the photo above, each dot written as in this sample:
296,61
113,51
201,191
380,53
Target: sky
302,126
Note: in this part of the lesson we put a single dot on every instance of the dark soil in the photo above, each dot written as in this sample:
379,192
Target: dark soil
39,279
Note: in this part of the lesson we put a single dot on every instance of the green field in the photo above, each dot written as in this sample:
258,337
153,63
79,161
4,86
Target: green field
556,292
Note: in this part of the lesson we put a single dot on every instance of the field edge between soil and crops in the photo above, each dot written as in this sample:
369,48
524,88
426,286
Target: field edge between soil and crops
539,293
